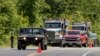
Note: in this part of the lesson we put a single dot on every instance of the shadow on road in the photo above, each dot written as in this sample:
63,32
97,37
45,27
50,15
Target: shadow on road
26,49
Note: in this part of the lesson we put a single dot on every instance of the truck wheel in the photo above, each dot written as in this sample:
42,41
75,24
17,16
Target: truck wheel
45,47
19,45
24,47
84,45
63,45
42,45
78,45
71,45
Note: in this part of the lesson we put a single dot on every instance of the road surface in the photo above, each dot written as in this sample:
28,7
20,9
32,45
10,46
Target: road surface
15,52
52,51
56,51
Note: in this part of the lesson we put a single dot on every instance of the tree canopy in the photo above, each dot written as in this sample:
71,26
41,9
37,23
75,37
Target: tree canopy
15,14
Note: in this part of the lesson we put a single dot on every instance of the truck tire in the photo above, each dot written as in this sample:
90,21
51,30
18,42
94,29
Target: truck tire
70,45
45,47
84,45
19,46
63,45
80,45
42,45
24,47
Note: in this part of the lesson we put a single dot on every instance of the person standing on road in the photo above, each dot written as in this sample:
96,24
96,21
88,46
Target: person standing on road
84,39
12,41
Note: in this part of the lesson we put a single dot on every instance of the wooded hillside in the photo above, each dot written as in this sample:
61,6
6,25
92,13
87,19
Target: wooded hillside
15,14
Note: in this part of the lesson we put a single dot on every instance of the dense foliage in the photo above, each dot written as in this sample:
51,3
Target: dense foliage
30,13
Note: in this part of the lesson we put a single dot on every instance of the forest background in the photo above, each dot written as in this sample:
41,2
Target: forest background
15,14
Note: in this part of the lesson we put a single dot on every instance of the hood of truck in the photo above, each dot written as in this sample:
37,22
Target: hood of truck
53,29
71,36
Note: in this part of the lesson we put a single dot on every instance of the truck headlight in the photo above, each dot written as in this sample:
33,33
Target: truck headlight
24,38
36,38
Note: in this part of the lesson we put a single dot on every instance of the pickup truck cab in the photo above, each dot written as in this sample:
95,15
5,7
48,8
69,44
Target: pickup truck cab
74,37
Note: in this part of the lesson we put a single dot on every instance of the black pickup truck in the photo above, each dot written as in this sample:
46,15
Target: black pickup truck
32,36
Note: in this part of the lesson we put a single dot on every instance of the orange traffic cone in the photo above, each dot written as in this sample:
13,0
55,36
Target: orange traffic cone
39,50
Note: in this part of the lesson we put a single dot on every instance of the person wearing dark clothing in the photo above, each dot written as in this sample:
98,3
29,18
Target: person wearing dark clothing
12,41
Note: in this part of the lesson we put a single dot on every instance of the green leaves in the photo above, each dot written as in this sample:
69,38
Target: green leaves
15,14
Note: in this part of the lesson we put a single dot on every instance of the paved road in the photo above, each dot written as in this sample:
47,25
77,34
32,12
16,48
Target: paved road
52,51
15,52
56,51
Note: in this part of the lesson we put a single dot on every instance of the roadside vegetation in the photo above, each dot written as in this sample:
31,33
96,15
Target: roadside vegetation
15,14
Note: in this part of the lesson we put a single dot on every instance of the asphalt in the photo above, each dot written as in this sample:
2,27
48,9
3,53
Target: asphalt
52,51
94,53
56,51
15,52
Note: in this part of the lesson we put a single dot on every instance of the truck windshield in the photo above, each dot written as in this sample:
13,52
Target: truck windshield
79,28
31,31
73,32
25,31
53,25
